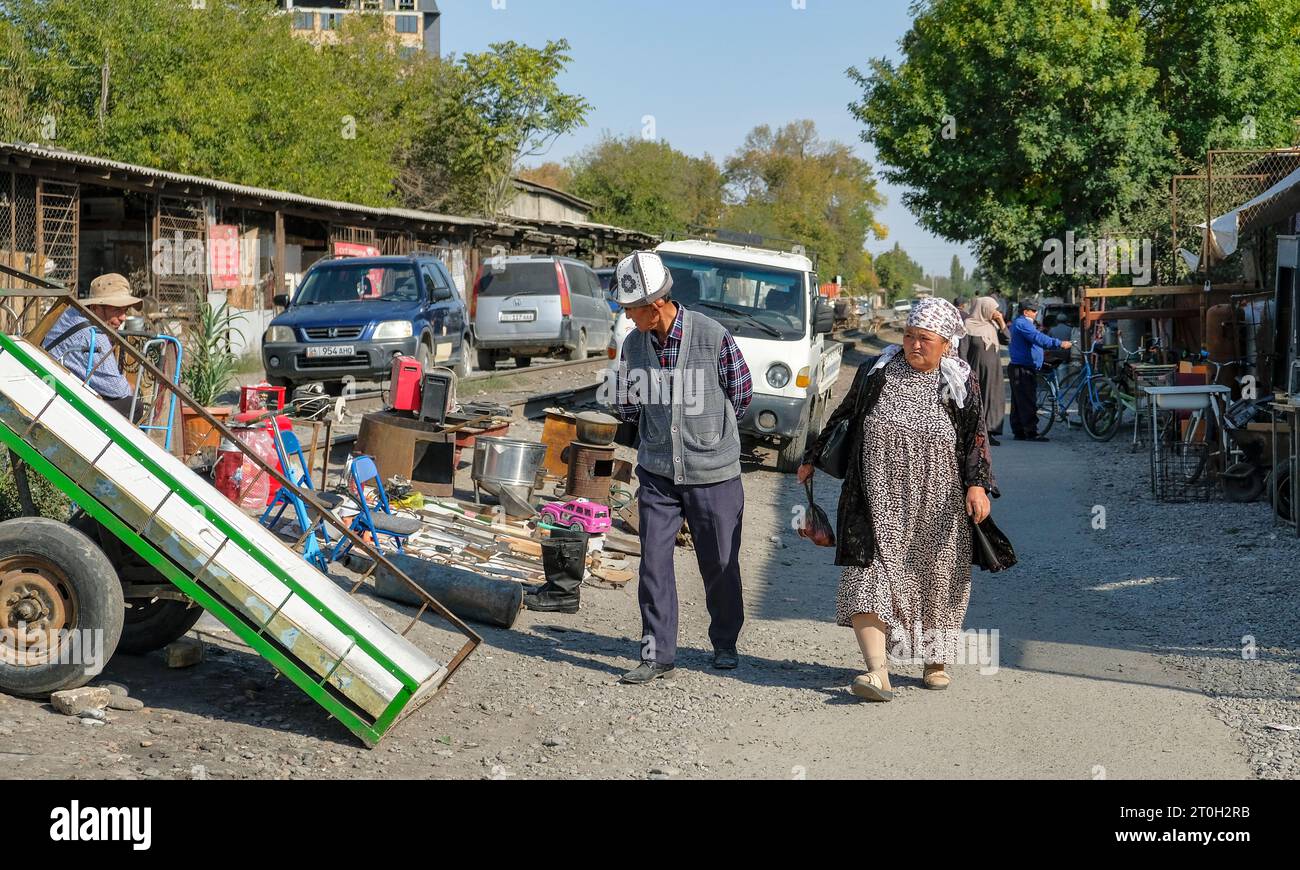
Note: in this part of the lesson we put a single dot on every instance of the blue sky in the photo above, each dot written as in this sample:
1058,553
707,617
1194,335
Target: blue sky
709,71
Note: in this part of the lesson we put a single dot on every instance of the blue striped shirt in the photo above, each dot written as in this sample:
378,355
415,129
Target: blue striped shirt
73,354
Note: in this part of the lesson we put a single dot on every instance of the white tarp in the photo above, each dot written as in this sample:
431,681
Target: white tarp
1225,229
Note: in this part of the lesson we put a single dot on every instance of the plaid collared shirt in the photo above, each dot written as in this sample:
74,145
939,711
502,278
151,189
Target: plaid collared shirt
733,374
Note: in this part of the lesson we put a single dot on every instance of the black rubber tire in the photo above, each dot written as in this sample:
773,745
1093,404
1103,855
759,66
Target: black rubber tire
487,360
817,421
94,583
1044,403
424,354
147,625
1242,488
523,362
1102,423
281,382
465,366
790,457
1280,478
151,625
579,352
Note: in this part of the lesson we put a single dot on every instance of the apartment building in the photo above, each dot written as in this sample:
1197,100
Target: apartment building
416,22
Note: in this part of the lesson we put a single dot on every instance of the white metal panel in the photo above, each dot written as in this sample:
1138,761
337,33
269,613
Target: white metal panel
32,393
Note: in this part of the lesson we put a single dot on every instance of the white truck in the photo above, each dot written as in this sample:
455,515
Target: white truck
769,301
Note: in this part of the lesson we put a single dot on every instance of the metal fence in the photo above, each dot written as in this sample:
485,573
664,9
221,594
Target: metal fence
1230,178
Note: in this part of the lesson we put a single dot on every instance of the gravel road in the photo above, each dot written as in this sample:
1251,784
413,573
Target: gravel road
1119,655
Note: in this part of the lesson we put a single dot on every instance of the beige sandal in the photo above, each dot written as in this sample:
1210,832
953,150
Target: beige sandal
870,687
936,678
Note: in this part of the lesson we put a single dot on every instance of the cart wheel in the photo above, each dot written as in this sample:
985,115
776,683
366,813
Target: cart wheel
151,625
61,607
1280,481
1242,482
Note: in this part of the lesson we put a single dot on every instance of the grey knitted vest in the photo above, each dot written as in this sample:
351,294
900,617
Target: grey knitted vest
688,427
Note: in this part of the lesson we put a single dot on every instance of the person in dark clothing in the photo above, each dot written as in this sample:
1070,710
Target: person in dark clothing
1026,351
980,349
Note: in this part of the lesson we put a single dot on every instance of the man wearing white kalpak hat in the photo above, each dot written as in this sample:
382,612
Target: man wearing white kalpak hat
683,378
69,340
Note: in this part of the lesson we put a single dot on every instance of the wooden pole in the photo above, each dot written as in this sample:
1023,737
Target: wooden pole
21,483
279,267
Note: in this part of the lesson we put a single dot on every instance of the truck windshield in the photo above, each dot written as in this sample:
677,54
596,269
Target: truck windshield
359,283
751,301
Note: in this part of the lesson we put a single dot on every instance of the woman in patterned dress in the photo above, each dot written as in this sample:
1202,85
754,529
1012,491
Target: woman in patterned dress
919,469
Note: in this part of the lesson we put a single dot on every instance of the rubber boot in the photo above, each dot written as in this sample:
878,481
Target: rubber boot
565,562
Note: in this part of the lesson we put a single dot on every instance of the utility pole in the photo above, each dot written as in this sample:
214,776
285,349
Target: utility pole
103,90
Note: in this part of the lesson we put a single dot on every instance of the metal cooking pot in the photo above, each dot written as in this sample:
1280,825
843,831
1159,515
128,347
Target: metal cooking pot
506,461
596,428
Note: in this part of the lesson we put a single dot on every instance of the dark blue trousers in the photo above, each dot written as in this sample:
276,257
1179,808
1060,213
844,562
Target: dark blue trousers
715,513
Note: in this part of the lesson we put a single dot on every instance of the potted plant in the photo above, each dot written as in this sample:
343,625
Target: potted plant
208,370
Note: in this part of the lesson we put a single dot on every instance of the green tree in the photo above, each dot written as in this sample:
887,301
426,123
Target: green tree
1225,69
957,277
648,185
503,107
1011,121
225,91
789,183
898,272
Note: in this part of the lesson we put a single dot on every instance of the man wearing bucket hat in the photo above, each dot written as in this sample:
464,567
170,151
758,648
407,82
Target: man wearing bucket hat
72,336
683,379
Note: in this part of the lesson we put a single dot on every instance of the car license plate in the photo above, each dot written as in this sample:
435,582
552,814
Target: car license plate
330,350
517,316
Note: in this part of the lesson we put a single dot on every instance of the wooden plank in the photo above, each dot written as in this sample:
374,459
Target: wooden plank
1141,314
1167,290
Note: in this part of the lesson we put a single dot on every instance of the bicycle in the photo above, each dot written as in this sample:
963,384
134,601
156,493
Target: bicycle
1121,392
1082,384
1229,445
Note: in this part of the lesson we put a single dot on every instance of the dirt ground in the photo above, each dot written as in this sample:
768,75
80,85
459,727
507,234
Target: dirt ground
1119,655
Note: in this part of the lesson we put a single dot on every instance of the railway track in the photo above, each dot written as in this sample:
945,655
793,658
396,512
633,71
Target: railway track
531,407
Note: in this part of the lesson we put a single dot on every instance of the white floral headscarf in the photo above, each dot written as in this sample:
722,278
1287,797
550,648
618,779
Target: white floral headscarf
942,318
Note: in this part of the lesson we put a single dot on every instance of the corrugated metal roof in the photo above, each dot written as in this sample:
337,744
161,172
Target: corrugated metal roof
63,156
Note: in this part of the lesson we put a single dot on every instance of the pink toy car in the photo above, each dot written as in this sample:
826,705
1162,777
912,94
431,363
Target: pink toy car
581,515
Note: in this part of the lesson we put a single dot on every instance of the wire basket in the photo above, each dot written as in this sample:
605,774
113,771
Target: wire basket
1181,472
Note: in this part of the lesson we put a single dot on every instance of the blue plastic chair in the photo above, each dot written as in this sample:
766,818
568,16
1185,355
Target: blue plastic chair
287,447
377,521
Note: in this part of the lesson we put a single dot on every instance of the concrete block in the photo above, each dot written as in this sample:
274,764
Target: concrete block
70,702
184,653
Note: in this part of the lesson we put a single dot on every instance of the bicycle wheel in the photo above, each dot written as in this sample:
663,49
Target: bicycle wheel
1192,454
1101,410
1044,403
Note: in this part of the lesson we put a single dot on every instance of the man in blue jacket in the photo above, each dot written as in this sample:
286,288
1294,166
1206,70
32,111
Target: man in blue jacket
1027,345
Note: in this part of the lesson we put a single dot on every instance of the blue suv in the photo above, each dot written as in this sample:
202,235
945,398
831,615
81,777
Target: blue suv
351,316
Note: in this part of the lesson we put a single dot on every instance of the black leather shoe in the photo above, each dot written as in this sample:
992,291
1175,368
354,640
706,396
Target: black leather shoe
648,671
725,659
1039,438
995,442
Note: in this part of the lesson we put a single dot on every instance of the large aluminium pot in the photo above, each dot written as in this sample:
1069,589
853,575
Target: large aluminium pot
506,461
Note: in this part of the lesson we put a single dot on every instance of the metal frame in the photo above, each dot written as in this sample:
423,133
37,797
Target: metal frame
368,729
